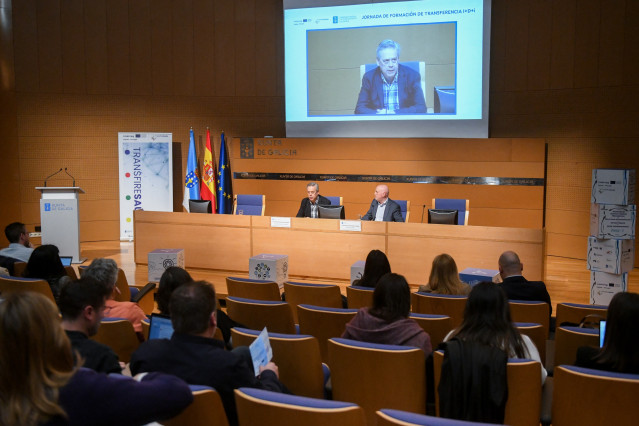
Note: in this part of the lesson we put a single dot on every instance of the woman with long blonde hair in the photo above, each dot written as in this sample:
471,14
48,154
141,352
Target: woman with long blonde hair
444,278
39,384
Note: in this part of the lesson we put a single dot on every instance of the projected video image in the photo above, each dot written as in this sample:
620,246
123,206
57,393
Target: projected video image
381,70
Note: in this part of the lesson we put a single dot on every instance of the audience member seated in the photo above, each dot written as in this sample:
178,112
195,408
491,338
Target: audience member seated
39,384
172,278
515,285
20,247
444,278
105,272
487,322
193,355
376,265
82,307
387,321
45,264
620,352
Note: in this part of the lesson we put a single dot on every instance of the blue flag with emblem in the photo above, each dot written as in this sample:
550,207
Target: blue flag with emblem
192,180
225,184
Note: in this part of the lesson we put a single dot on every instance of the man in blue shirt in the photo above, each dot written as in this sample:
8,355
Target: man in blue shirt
20,248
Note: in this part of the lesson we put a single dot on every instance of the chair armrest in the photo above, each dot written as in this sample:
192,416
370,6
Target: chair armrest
143,291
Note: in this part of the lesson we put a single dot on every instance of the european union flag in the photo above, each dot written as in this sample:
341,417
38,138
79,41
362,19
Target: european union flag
225,183
192,180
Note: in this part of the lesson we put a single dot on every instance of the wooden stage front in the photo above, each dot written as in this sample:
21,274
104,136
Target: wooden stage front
319,250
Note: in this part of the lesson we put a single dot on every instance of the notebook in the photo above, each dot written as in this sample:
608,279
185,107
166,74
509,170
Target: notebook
161,327
602,333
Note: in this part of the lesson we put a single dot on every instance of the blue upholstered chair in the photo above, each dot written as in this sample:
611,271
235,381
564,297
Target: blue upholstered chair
378,376
335,201
257,314
575,312
568,339
439,304
265,408
297,357
437,326
387,417
250,205
359,297
404,206
588,397
316,294
445,100
253,289
462,206
531,311
323,323
206,409
12,284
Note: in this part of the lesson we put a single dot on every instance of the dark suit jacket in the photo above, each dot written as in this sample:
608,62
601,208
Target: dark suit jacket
305,206
201,361
392,213
411,97
519,288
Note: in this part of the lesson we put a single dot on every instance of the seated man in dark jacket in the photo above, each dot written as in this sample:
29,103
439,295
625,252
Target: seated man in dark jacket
515,285
195,356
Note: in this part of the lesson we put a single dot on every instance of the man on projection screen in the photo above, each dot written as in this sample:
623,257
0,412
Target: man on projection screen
391,88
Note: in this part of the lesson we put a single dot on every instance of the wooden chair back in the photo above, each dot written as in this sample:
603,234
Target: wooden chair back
253,289
118,334
11,284
206,409
587,397
526,311
437,326
537,334
257,314
575,312
440,304
264,408
323,323
314,294
359,297
569,339
297,357
378,376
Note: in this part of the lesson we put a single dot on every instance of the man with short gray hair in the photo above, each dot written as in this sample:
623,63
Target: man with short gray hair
391,88
309,206
105,272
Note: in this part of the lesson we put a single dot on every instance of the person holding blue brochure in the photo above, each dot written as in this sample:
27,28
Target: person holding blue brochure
193,355
391,88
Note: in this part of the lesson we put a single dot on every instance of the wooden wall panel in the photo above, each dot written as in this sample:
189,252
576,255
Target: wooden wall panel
182,39
25,37
563,44
49,45
95,34
203,47
73,53
224,72
140,47
118,37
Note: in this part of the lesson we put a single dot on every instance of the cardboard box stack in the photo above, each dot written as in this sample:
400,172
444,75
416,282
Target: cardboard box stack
611,243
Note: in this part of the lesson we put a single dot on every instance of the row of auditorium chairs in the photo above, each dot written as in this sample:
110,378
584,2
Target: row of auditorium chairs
385,385
143,295
255,205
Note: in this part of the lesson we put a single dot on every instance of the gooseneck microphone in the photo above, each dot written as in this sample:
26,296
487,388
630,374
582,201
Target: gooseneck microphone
50,176
69,174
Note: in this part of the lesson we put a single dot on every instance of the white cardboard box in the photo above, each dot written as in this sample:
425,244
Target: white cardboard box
269,267
612,256
473,276
604,286
613,186
613,221
357,270
160,259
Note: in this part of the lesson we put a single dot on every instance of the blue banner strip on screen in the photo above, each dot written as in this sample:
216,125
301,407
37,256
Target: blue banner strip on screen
439,180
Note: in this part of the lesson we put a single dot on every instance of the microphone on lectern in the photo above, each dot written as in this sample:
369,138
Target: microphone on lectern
50,176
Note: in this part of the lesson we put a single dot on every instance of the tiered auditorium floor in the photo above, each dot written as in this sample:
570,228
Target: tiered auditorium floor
567,280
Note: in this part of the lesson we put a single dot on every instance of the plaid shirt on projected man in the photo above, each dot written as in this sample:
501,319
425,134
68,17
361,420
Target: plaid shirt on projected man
391,98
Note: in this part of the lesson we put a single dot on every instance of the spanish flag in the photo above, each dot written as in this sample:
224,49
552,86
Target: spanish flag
207,191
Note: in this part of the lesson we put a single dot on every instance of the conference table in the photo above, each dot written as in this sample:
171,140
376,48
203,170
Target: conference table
324,249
